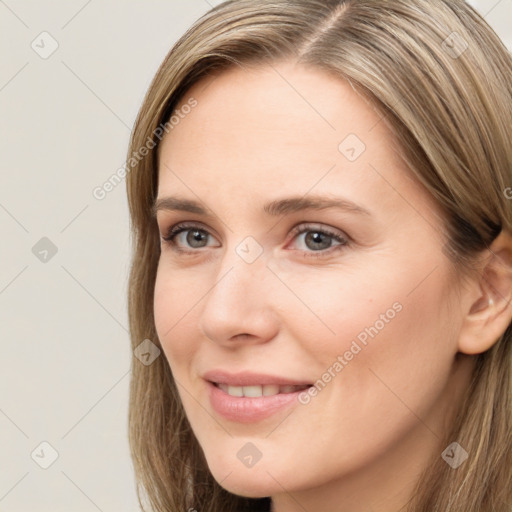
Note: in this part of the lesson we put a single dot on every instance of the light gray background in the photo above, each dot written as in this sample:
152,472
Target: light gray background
65,355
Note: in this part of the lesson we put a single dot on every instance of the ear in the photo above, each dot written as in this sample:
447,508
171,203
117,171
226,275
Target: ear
490,299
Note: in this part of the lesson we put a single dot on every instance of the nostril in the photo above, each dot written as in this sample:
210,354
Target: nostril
242,336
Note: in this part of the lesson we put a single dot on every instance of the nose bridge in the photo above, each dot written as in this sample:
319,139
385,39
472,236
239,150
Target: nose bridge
243,268
238,301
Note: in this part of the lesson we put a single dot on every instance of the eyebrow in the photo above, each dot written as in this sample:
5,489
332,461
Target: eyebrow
273,208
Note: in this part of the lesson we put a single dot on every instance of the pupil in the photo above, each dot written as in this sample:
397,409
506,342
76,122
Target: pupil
195,237
317,239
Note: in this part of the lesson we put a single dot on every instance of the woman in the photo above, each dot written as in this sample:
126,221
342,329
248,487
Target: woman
322,253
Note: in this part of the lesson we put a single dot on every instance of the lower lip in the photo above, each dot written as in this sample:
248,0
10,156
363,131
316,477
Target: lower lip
248,409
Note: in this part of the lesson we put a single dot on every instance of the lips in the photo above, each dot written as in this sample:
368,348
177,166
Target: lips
249,397
242,409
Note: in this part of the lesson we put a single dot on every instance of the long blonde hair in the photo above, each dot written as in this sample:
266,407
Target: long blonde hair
442,80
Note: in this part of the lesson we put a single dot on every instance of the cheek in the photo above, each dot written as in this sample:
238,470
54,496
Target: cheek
374,324
385,366
174,303
335,310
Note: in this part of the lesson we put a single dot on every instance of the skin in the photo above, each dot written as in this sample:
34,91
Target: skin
361,443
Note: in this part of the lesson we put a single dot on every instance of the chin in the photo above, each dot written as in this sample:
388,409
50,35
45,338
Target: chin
246,488
246,482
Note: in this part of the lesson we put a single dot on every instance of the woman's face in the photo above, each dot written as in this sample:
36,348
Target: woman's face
358,301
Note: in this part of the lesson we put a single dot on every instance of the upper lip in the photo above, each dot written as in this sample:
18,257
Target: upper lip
250,379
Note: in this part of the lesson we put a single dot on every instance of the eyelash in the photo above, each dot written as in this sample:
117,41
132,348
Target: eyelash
175,230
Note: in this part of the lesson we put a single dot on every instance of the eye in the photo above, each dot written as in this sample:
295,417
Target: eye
188,236
318,242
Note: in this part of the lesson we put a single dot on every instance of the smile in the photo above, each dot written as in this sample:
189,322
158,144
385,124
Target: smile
250,404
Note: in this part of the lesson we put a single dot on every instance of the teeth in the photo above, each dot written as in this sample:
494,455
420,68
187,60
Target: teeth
257,391
270,389
289,389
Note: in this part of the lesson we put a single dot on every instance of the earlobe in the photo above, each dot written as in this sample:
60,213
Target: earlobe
490,312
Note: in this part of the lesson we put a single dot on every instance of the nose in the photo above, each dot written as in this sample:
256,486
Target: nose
238,307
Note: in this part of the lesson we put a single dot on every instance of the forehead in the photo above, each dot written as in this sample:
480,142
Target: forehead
299,105
281,127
